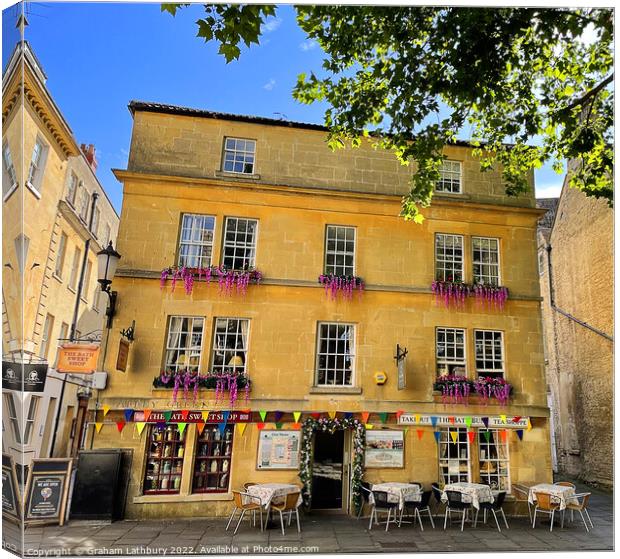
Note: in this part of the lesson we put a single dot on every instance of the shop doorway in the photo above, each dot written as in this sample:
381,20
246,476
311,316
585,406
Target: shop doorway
328,468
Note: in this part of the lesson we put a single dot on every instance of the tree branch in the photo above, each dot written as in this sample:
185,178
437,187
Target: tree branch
588,94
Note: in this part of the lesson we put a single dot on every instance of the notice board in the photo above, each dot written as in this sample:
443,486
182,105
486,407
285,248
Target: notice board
384,449
278,450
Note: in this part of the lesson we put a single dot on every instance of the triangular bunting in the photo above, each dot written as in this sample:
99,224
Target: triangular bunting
437,436
120,425
433,421
181,427
529,424
167,416
296,416
368,426
201,427
128,415
278,416
420,433
471,435
184,414
417,418
222,424
451,419
398,414
485,420
520,434
260,426
454,436
296,426
147,414
383,416
332,414
241,428
468,422
106,409
205,416
516,419
503,435
263,415
405,430
503,418
279,424
98,426
315,415
161,424
140,427
348,414
487,435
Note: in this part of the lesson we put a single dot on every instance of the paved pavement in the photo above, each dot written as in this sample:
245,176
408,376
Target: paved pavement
320,534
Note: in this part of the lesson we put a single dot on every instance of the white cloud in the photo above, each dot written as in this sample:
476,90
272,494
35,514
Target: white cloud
310,44
549,190
271,24
270,84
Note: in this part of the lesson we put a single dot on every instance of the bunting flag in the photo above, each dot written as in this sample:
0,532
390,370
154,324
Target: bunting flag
161,424
468,422
167,416
405,430
147,414
383,416
503,418
420,433
279,424
520,434
205,416
365,416
184,414
437,436
454,436
485,420
263,415
278,416
398,414
516,419
417,419
503,434
315,415
451,419
120,425
260,426
241,428
487,435
332,414
348,414
296,426
222,424
368,426
106,409
128,415
140,427
296,416
201,426
98,427
529,424
181,428
434,421
471,435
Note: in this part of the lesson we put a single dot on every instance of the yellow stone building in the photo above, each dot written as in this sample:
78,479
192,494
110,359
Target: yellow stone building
208,189
49,192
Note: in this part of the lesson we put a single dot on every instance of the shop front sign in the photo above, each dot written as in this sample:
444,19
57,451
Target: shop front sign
78,358
25,377
494,422
193,417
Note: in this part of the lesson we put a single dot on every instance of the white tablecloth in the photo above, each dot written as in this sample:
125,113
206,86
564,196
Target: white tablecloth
398,492
562,492
268,492
474,493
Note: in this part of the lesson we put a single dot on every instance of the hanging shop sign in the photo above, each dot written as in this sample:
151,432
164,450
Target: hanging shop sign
278,450
47,490
78,358
123,355
25,377
193,417
492,422
384,449
11,498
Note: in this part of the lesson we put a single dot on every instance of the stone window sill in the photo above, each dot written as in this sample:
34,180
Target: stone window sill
196,497
335,390
228,175
57,277
33,189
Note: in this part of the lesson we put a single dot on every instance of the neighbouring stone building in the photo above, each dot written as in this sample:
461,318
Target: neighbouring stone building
576,265
221,196
50,190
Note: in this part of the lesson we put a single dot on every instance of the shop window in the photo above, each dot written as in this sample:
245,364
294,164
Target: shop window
485,259
489,353
184,343
494,462
164,460
240,243
454,462
450,351
335,354
340,250
213,460
230,345
450,177
196,244
448,257
239,156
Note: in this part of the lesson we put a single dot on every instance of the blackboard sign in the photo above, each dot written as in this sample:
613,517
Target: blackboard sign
47,491
32,379
11,498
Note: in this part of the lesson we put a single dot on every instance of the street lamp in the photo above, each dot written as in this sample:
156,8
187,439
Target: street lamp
107,261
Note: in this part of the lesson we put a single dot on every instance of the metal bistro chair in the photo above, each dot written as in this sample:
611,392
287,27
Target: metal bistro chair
437,496
494,507
567,484
365,492
579,503
456,504
522,495
547,504
290,505
253,505
419,506
381,504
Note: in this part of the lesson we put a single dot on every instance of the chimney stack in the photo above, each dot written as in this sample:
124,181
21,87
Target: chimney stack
89,153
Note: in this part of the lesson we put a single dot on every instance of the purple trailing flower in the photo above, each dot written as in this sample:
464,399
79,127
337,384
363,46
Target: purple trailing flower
228,280
454,389
489,387
456,292
345,285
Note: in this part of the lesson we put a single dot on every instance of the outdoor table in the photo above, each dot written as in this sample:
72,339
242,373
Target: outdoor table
269,492
398,492
563,493
474,493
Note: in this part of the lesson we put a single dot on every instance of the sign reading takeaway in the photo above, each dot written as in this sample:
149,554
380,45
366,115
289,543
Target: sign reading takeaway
494,422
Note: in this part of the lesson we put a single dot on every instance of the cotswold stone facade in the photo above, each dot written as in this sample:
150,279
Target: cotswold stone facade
579,360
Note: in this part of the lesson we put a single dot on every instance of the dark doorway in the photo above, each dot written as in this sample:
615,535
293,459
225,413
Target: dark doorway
327,470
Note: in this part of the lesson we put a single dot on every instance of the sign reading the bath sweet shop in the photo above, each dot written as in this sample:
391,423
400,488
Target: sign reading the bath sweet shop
77,358
179,416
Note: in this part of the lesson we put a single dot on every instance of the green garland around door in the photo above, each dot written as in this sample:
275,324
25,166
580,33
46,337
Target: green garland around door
359,443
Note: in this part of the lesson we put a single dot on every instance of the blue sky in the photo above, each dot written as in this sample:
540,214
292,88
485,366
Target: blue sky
99,56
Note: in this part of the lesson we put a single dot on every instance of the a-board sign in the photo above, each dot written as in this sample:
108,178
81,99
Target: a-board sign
11,497
47,491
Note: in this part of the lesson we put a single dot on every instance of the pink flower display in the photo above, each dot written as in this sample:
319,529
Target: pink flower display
229,281
344,285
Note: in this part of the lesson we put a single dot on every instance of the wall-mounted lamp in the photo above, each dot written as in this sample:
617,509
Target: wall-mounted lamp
107,261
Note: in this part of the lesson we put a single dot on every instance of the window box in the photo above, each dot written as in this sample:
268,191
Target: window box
344,285
456,292
452,389
188,380
228,280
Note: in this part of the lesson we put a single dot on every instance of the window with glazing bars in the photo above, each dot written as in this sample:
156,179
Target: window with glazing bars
36,164
335,354
230,345
489,353
9,182
184,343
485,259
73,188
60,254
196,244
450,177
164,459
454,463
239,155
448,257
30,418
450,351
240,243
494,460
9,405
340,250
